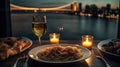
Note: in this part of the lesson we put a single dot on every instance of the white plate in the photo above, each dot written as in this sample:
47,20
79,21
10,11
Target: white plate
33,53
100,44
27,40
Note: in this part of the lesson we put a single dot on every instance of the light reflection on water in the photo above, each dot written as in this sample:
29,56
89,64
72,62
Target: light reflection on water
70,27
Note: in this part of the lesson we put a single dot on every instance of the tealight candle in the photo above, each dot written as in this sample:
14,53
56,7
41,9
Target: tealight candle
87,41
54,38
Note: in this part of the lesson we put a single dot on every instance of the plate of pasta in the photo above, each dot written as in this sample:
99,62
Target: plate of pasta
62,53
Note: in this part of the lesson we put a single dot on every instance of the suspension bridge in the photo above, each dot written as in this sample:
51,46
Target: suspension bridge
66,7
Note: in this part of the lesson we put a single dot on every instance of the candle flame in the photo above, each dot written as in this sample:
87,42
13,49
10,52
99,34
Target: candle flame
54,35
87,39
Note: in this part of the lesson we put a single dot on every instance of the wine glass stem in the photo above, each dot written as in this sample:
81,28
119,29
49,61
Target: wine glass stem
39,39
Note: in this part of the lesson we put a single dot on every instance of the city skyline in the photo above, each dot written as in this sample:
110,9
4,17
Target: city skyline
54,3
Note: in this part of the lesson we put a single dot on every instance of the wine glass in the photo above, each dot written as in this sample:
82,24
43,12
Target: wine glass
39,26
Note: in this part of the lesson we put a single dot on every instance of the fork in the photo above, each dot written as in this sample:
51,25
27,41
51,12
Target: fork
26,61
16,62
100,56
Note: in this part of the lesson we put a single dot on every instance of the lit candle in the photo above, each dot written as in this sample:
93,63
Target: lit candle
87,41
54,38
87,44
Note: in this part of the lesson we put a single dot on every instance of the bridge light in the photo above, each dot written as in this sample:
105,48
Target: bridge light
35,11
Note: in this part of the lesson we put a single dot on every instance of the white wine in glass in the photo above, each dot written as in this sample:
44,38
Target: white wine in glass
39,26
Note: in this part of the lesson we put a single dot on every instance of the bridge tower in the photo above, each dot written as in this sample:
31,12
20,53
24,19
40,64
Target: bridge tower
75,6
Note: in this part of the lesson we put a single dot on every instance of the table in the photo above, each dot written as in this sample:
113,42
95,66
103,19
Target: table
89,62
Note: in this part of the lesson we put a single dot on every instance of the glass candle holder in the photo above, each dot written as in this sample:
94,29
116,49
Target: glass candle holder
87,41
54,38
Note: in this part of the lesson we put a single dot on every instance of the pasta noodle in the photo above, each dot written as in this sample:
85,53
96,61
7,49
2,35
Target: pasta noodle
60,53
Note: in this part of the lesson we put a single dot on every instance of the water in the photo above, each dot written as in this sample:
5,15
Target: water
70,27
